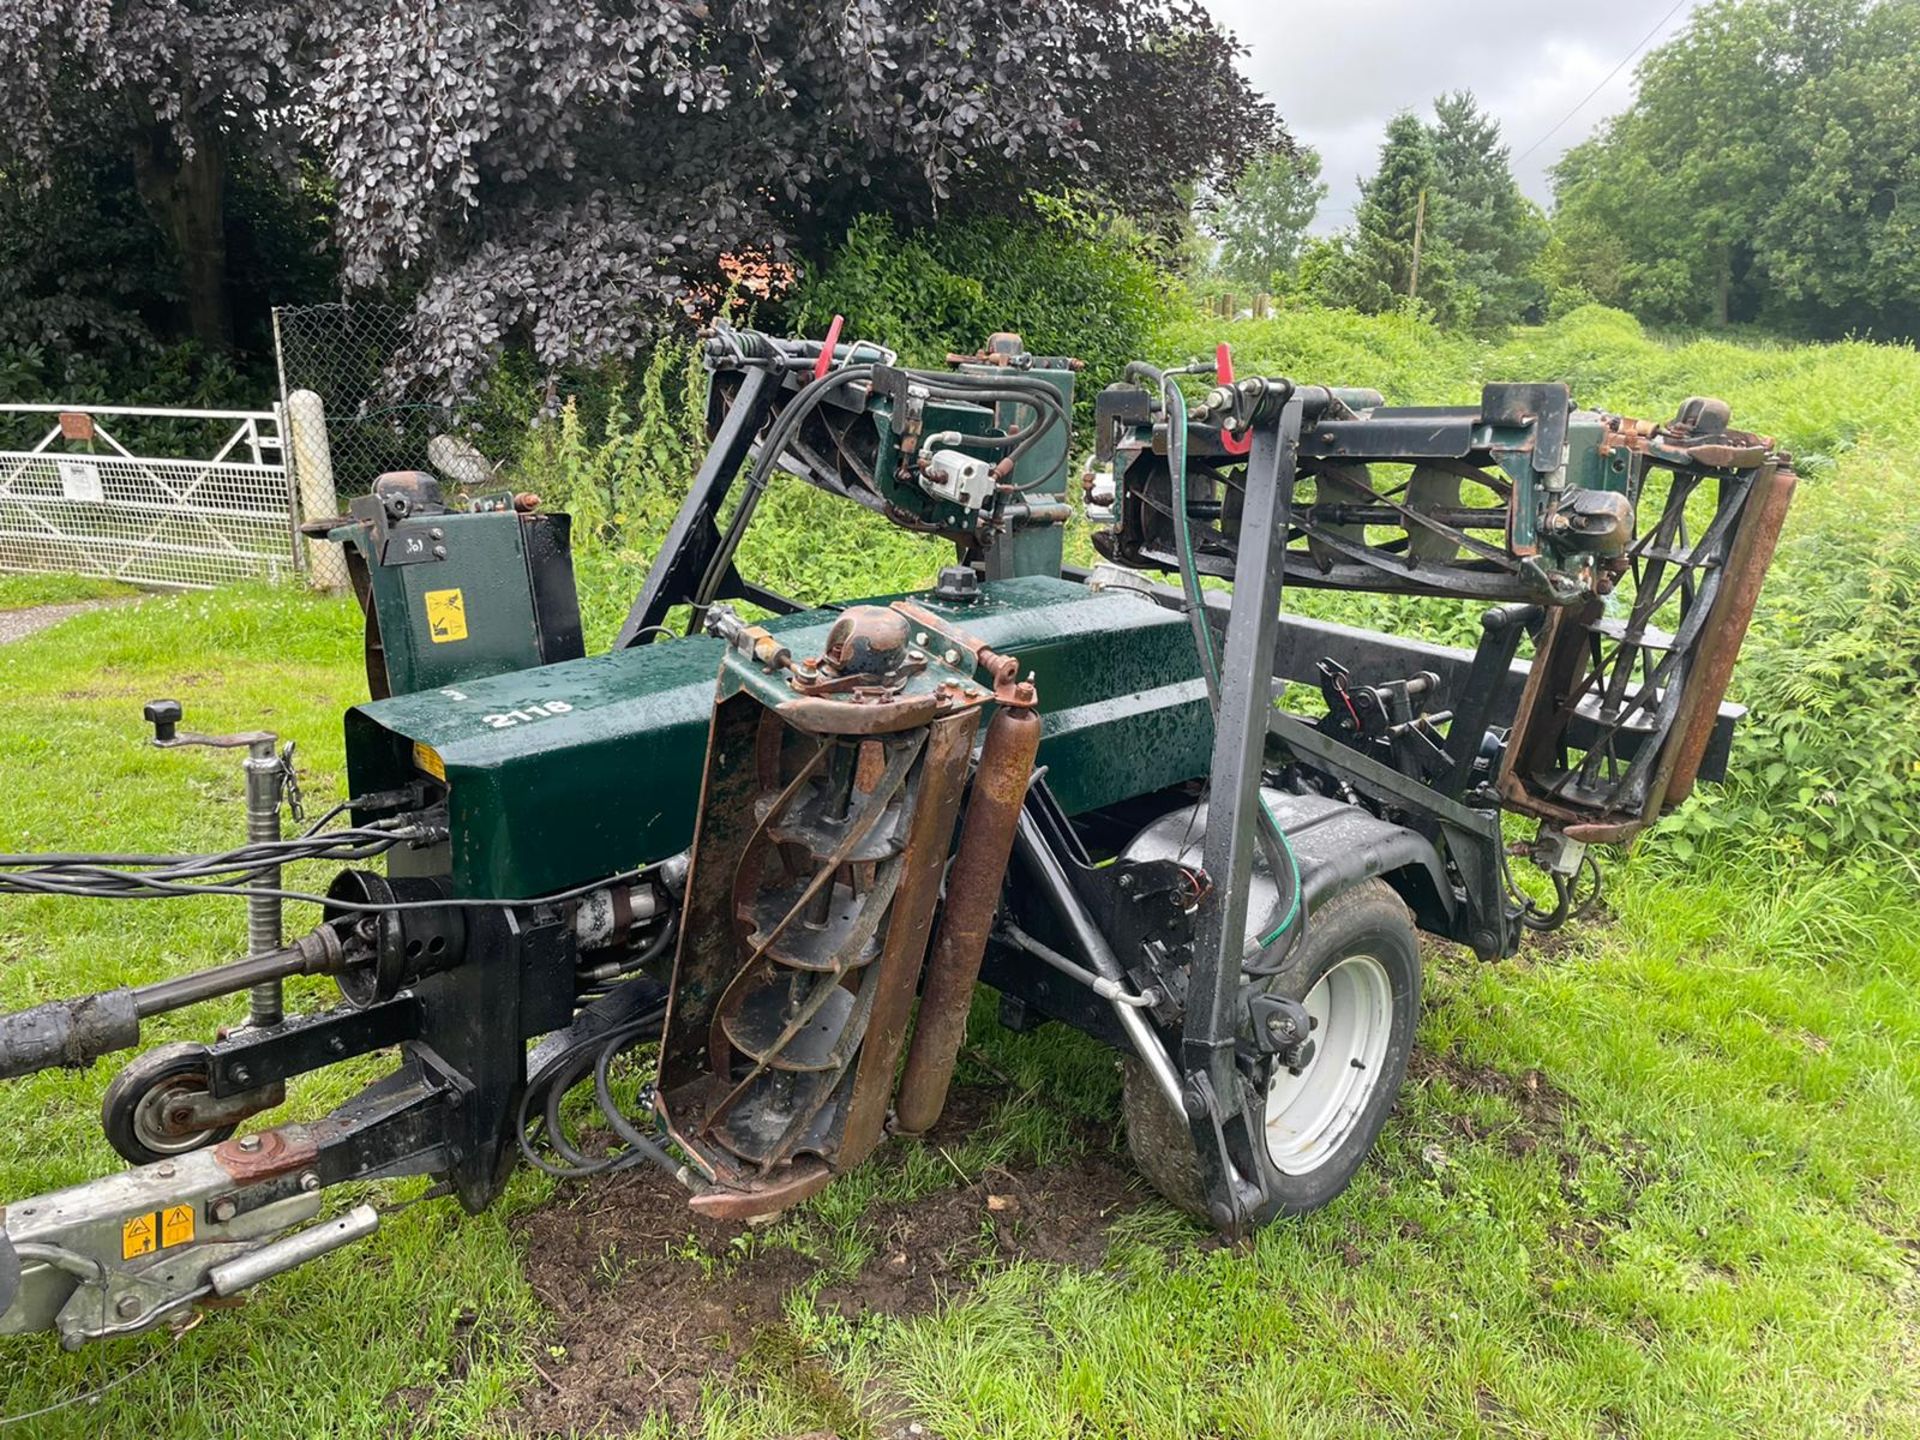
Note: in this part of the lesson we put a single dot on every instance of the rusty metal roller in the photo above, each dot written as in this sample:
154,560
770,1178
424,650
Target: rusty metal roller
973,894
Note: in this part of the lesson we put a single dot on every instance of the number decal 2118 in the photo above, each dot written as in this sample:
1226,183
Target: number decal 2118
526,716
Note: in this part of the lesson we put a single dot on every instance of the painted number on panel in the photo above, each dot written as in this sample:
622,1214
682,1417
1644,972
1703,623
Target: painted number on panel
528,714
446,615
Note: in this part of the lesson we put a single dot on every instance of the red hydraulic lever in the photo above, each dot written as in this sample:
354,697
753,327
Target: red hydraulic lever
825,362
1223,372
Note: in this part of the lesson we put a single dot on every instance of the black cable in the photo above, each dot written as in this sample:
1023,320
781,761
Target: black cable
150,890
86,875
1036,395
593,1058
56,858
1539,918
804,402
1535,918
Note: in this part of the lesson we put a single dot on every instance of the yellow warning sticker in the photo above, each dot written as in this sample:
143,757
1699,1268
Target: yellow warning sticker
446,615
428,759
176,1226
139,1235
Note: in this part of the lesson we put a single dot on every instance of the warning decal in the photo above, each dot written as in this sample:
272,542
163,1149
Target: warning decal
176,1225
156,1230
446,615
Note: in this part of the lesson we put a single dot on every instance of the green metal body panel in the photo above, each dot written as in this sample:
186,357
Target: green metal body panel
564,773
452,596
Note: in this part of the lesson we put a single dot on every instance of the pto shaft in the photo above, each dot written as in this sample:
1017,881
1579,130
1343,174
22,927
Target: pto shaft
78,1032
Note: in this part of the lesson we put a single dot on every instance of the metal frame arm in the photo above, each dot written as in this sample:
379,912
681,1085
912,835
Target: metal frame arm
694,536
1239,754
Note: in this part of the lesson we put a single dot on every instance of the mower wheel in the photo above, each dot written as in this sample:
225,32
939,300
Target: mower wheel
1357,971
138,1112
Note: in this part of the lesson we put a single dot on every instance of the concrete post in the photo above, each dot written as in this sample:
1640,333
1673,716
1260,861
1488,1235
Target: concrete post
313,470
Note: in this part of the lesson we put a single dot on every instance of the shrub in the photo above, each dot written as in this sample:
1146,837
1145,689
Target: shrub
1069,282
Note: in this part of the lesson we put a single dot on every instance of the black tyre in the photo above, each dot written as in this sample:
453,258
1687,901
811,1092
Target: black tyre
137,1112
1358,973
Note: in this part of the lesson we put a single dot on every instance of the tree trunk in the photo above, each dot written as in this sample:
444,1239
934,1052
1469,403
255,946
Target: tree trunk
186,196
1723,292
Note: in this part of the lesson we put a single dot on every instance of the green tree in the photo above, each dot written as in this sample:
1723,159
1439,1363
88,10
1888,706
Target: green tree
1768,170
1490,233
1840,247
1375,265
1262,224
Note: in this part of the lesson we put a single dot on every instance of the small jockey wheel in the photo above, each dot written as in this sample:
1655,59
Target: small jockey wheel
148,1112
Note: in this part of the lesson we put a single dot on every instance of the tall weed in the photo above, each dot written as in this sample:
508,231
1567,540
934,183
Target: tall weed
1829,759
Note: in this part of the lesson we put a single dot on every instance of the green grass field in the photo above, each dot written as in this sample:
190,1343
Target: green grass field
19,592
1657,1180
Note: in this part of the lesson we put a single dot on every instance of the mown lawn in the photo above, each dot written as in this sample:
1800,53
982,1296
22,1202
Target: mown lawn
19,592
1657,1180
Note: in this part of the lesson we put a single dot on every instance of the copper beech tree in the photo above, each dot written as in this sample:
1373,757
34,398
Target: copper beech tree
558,173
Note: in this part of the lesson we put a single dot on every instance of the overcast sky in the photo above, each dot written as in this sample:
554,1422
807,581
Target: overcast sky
1340,72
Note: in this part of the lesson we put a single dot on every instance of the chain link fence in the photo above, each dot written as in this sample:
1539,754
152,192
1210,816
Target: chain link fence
348,420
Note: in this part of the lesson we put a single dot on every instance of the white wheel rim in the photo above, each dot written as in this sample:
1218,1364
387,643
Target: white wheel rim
1310,1115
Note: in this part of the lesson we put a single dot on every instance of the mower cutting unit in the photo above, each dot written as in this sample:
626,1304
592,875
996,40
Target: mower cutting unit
785,851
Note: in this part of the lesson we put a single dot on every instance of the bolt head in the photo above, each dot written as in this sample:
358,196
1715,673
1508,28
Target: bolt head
250,1143
224,1210
242,1075
309,1182
1196,1102
127,1306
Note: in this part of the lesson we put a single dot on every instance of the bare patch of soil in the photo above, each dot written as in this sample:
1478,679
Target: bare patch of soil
930,1249
1546,1123
1543,1106
650,1301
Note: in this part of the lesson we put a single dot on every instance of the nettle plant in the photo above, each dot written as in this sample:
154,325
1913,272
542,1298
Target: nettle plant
1828,761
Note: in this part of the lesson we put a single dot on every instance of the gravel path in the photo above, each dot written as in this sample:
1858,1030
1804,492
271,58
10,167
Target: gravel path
18,624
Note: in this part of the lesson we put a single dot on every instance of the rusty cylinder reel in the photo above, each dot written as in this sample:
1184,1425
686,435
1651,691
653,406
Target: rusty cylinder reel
832,789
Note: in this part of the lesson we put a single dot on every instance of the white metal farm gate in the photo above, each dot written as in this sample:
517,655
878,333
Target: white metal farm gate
196,498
